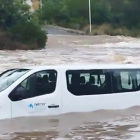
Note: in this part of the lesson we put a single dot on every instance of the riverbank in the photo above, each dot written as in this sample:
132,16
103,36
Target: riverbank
25,38
7,43
108,29
69,30
105,29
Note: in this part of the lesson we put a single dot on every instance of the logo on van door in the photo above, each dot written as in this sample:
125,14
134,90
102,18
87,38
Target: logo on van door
30,106
37,106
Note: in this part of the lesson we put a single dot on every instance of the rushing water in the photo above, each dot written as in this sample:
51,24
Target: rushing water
98,125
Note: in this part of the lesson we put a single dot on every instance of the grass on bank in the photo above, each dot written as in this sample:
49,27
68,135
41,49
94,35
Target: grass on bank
104,29
107,29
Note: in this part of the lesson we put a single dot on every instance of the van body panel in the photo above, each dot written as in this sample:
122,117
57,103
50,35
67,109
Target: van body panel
43,105
5,106
88,103
38,106
63,101
99,102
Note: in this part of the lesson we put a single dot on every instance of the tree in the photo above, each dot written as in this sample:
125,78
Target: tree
23,25
116,13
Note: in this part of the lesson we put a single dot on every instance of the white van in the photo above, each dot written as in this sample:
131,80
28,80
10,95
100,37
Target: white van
54,90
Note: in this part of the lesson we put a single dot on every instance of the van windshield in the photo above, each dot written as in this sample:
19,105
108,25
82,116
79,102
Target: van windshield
9,77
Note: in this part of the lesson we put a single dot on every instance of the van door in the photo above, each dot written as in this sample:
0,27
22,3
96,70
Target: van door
5,106
37,95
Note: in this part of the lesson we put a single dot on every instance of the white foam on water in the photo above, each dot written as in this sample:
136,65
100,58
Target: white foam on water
62,139
135,129
136,137
130,45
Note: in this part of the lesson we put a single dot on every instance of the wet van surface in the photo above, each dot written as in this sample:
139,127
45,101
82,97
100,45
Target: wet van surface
54,90
38,94
50,97
101,87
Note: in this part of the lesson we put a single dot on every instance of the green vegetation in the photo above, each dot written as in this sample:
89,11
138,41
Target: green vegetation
112,17
19,28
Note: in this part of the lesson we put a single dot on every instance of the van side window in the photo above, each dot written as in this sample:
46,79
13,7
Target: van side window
88,82
138,77
127,80
107,81
40,83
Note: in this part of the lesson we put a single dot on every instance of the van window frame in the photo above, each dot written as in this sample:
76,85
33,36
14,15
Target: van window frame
111,72
30,76
93,71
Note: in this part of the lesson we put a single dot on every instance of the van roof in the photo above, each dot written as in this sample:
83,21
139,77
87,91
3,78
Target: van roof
86,66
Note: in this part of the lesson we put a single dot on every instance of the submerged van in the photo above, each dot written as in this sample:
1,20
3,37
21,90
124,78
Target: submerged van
54,90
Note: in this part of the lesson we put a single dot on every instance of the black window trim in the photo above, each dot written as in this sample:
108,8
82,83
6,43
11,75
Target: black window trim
31,75
104,71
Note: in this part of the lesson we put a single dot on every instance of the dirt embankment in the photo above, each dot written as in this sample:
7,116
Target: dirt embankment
105,29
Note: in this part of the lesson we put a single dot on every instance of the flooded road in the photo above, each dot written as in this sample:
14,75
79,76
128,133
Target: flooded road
67,49
98,125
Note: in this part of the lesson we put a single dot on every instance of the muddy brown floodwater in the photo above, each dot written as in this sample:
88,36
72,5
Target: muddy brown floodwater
97,125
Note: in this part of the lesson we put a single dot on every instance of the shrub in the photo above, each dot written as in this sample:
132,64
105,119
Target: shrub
6,43
29,33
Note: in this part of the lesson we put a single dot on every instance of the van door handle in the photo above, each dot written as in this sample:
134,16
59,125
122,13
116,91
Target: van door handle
53,106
